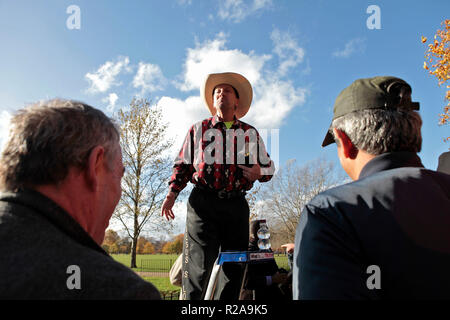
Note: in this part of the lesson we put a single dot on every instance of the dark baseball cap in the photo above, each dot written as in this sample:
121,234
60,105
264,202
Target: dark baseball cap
383,92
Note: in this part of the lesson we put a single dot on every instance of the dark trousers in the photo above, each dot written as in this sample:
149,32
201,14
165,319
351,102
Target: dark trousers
212,224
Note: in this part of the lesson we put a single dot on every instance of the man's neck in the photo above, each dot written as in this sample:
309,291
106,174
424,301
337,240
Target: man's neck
225,117
68,196
361,160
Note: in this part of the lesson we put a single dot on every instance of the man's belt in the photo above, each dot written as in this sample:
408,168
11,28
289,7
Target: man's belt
222,194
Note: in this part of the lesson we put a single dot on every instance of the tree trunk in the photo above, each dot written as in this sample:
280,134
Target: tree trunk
135,234
133,252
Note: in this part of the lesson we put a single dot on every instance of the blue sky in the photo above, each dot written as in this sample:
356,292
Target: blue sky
298,55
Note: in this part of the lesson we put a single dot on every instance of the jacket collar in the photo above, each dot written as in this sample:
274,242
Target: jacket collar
391,160
51,211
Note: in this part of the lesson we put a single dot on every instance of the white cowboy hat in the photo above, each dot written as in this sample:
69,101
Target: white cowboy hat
237,81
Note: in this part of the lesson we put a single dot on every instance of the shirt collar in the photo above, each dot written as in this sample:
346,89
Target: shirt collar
391,160
215,120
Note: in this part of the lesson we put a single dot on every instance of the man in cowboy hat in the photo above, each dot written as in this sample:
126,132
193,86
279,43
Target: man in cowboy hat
384,235
222,156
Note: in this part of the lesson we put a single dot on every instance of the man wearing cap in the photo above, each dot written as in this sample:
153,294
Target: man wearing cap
384,235
222,156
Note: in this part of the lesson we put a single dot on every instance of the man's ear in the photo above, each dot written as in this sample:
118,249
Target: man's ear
94,166
348,148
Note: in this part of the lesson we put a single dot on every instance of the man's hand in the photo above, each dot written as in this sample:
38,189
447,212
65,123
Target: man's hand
289,247
168,205
253,173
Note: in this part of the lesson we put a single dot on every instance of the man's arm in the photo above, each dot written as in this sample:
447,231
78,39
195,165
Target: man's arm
166,209
183,167
181,174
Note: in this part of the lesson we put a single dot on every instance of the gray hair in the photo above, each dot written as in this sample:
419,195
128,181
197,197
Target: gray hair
378,131
47,138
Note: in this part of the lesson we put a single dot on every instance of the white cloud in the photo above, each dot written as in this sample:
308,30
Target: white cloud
238,10
213,56
105,76
287,50
111,99
352,46
274,101
149,78
5,117
261,4
274,98
180,115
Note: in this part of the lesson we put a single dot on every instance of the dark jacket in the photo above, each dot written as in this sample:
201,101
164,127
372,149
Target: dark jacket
39,242
395,217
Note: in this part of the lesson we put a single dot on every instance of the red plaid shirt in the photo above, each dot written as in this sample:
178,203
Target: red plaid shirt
211,153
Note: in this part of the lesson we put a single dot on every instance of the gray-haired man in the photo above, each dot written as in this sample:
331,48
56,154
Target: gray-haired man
60,174
385,235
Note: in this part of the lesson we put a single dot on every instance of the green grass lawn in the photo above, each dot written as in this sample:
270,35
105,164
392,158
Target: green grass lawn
168,291
126,258
163,283
282,262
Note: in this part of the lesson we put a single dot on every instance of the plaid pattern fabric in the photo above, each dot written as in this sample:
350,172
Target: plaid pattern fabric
211,153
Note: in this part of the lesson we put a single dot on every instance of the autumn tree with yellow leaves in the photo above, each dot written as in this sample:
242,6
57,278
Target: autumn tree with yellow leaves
437,61
144,246
110,241
147,170
175,246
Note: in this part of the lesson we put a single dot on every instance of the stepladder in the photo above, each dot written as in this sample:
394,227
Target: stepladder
245,258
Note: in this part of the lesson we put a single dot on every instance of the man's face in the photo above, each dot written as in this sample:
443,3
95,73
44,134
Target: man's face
225,98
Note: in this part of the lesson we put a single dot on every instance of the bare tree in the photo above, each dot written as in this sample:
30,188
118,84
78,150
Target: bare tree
284,197
252,200
144,145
